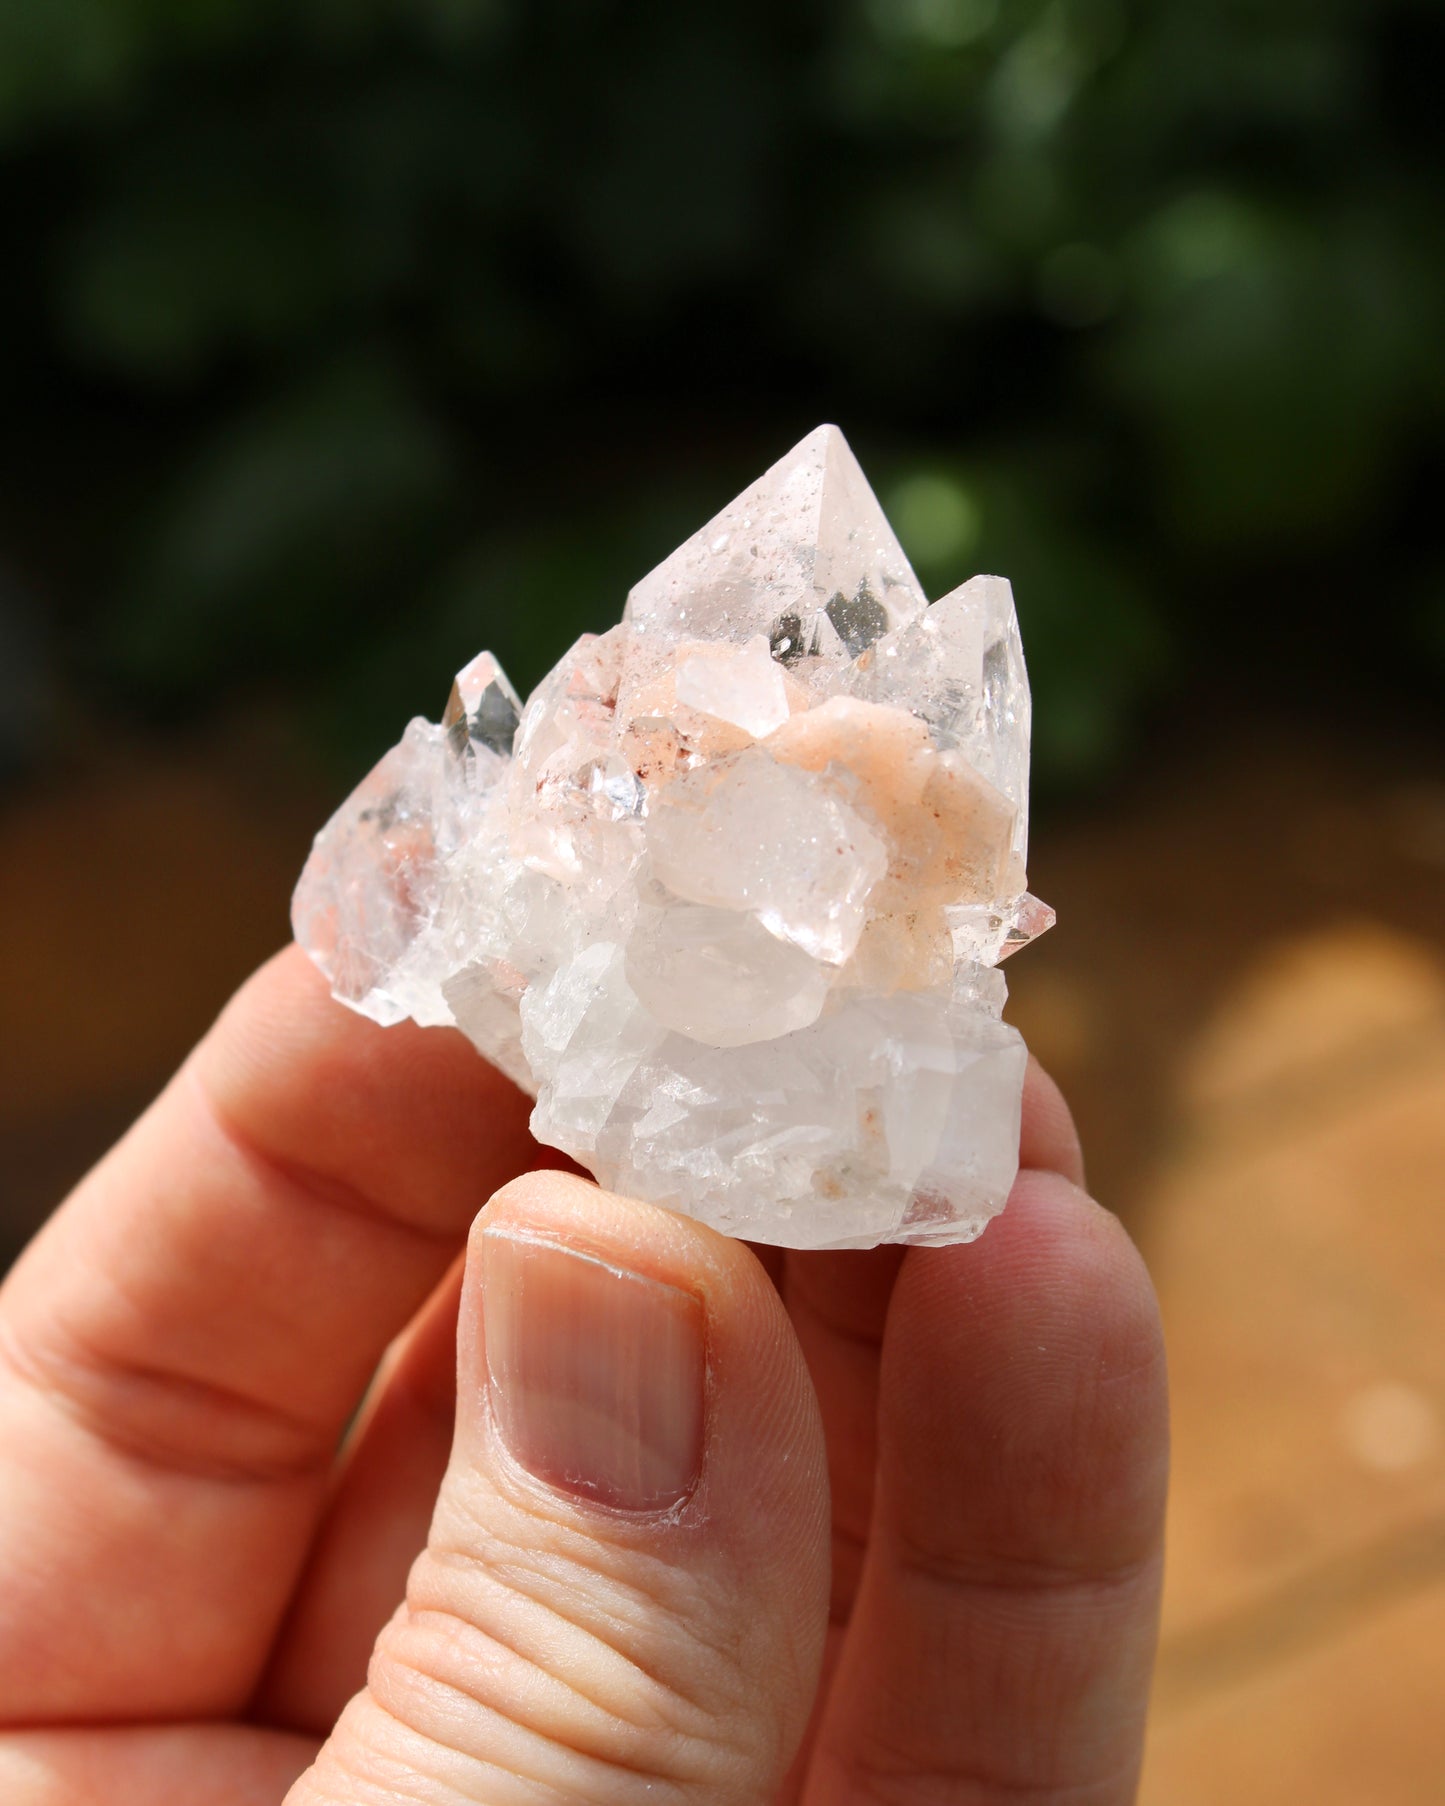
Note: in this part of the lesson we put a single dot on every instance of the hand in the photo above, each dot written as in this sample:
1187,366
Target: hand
632,1579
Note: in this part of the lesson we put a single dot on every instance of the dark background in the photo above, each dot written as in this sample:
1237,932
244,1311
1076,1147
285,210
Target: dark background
341,338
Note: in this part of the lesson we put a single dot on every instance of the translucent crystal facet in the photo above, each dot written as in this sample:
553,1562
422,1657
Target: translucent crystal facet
729,894
483,709
805,557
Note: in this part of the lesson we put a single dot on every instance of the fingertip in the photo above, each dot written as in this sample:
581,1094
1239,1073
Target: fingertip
575,1211
541,1196
1053,1223
763,1434
1049,1138
1036,1356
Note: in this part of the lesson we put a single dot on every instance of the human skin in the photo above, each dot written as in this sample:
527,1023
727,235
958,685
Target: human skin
694,1525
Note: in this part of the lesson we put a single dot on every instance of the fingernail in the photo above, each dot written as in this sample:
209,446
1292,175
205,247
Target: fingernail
596,1374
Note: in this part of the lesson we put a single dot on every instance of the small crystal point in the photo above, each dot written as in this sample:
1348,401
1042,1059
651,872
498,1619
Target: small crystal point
1031,919
483,708
730,894
960,667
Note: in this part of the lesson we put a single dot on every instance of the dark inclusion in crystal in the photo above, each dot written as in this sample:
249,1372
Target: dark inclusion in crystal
386,813
786,641
859,621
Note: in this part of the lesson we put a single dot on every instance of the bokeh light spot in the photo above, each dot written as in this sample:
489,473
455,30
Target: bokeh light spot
1390,1427
936,517
938,24
1198,237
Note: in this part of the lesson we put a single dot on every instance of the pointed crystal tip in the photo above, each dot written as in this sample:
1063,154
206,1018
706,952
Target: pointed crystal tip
1031,919
805,556
483,708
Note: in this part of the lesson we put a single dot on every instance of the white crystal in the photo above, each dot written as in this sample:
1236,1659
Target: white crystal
744,688
729,894
721,976
793,853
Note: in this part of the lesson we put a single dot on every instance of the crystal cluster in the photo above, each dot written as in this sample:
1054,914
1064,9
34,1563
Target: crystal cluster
729,894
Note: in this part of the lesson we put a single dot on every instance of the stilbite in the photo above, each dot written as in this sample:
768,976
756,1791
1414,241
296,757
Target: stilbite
728,896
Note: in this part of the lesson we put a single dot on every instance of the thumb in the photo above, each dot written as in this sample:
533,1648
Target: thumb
625,1587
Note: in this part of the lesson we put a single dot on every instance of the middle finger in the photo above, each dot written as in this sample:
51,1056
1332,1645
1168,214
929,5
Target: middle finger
839,1305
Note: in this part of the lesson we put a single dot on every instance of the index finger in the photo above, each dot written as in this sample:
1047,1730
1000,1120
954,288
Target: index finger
181,1347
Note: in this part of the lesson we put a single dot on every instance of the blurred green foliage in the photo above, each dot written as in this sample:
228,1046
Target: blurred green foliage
341,337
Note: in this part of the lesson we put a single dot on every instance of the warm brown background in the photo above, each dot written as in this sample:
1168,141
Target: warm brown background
1245,998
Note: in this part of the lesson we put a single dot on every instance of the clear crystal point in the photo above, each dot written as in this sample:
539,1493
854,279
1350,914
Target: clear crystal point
1031,919
960,667
483,709
729,894
805,557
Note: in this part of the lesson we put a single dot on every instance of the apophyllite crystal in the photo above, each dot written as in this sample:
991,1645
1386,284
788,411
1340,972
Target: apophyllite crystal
729,894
